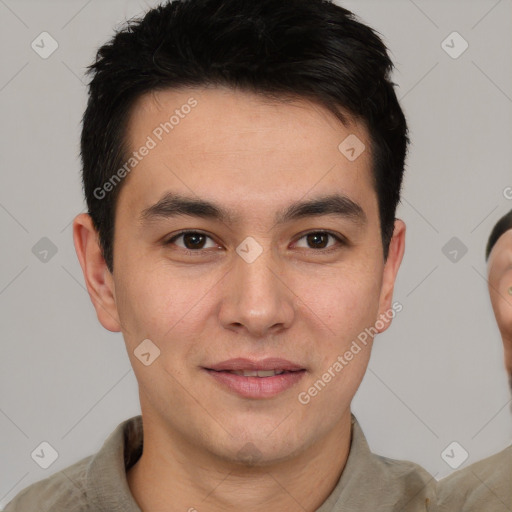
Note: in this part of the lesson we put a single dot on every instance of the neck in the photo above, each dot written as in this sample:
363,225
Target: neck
177,479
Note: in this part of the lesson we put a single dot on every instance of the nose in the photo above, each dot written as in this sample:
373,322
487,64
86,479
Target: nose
256,298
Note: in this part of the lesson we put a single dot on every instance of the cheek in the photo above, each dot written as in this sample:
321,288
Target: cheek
159,304
344,299
501,299
339,309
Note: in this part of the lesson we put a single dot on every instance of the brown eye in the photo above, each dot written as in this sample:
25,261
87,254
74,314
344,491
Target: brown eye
319,240
191,240
194,240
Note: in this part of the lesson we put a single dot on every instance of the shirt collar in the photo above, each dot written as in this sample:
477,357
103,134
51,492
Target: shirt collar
372,482
106,483
368,481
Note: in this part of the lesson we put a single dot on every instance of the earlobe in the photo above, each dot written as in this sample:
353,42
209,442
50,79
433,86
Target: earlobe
394,259
98,279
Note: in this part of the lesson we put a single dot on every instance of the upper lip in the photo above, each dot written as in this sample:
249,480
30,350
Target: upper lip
270,363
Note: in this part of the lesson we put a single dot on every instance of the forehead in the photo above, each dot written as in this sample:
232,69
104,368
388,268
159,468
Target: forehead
217,141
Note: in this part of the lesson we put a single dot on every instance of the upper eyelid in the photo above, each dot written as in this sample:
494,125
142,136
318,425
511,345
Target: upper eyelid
338,236
173,238
186,232
340,239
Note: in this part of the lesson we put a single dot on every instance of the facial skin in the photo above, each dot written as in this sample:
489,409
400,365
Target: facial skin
297,301
500,290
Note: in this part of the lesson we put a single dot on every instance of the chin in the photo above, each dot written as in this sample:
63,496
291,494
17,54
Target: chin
253,456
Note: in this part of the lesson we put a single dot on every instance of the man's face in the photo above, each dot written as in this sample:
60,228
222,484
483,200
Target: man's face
264,282
500,290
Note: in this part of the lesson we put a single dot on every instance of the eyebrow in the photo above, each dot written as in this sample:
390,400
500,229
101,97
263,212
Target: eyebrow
173,205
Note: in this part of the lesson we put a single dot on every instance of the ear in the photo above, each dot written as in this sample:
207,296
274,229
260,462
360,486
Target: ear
98,279
395,255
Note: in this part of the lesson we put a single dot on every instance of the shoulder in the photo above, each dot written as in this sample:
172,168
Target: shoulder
62,491
416,486
404,472
375,482
484,485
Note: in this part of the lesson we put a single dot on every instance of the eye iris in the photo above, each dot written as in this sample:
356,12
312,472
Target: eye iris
193,240
318,240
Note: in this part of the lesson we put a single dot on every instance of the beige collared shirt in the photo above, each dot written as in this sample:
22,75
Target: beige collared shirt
369,483
485,486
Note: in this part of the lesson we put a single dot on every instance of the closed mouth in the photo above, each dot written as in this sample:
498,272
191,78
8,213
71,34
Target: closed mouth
257,373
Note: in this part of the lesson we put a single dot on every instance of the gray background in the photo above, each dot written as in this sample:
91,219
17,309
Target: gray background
436,376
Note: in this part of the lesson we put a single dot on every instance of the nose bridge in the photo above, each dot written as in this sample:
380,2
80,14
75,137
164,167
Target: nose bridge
255,297
257,277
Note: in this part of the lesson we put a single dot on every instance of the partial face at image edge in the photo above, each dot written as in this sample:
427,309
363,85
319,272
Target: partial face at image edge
500,290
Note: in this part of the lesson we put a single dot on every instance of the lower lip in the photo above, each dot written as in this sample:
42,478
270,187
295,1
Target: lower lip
257,387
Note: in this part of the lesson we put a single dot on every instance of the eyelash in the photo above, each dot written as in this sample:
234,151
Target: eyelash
341,241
